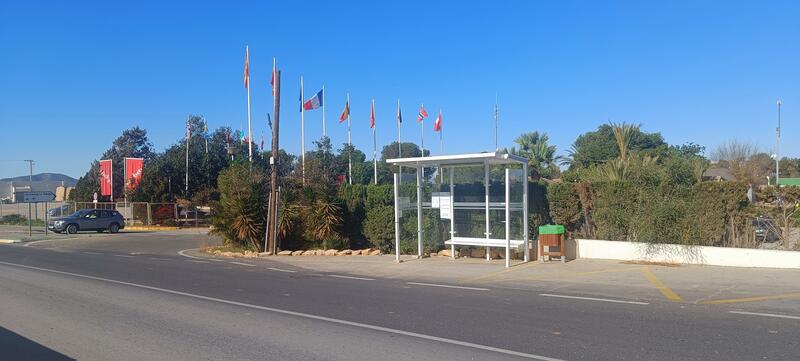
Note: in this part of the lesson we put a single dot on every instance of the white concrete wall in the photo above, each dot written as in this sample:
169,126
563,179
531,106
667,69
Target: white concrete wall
673,253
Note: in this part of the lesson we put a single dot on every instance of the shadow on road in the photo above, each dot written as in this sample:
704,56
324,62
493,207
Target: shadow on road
16,347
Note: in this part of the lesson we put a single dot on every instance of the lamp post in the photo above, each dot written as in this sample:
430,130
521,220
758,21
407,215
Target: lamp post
778,146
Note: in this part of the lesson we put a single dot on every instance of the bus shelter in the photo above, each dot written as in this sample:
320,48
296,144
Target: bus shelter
477,200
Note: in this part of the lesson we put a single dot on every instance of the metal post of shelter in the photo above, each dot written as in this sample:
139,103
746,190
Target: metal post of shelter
508,221
452,214
419,211
486,189
525,210
396,219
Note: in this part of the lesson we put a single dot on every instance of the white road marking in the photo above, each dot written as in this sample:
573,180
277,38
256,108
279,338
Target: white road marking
183,253
765,315
448,286
352,278
594,299
159,259
281,270
92,252
123,255
243,264
214,259
299,314
196,261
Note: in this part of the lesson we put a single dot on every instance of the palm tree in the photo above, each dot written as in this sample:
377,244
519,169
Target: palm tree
623,134
541,155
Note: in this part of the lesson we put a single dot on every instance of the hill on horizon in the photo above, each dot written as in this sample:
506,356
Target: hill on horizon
45,177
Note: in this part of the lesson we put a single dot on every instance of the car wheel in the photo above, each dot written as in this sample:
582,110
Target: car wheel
72,229
113,228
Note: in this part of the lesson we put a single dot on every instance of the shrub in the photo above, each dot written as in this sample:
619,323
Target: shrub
241,212
564,204
379,227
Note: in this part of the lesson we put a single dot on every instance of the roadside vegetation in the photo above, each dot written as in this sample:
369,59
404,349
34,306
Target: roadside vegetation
617,182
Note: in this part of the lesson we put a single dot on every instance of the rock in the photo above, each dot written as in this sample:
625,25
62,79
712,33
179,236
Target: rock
478,253
376,252
498,253
319,252
344,253
330,252
297,253
264,254
355,253
365,252
308,253
285,253
445,253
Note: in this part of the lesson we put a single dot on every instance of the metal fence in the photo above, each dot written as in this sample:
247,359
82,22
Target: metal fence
135,213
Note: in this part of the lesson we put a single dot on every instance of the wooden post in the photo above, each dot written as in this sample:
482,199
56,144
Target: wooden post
272,222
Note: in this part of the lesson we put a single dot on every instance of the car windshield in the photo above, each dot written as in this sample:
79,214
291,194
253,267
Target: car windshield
80,213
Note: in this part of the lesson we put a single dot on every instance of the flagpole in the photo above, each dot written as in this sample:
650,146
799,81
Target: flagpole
324,130
496,146
422,133
249,127
349,143
302,132
399,145
187,156
374,146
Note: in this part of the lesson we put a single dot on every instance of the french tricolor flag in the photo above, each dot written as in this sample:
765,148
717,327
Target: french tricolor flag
313,103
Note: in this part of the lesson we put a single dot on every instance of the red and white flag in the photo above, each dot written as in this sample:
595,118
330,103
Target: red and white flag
106,177
246,67
437,125
133,172
372,116
422,114
272,79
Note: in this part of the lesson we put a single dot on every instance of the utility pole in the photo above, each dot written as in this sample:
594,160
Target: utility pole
778,147
272,222
30,189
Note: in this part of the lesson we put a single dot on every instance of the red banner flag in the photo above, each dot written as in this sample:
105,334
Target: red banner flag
372,116
247,67
437,126
133,172
106,177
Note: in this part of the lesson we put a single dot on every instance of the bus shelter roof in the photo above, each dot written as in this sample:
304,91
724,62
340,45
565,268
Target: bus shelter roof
460,159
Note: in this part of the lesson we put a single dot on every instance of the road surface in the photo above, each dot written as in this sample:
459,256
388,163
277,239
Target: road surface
133,297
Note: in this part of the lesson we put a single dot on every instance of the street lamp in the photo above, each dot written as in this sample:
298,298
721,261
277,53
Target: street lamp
778,146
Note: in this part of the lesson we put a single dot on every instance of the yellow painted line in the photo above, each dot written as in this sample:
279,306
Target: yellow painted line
666,291
505,271
559,277
752,299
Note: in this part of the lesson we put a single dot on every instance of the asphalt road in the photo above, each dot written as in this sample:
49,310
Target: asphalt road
132,297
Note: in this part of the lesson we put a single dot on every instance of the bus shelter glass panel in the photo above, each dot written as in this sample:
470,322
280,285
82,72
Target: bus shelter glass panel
469,201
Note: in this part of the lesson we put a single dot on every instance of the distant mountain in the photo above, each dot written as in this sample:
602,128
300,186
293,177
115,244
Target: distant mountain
45,177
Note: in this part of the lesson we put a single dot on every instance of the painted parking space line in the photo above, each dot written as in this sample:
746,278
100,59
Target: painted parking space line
243,264
753,299
666,291
307,316
352,277
773,315
281,270
447,286
594,299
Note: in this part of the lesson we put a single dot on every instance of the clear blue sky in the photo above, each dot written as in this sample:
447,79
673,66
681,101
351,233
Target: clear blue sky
74,74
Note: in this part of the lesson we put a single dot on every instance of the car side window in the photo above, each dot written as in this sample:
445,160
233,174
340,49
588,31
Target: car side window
91,215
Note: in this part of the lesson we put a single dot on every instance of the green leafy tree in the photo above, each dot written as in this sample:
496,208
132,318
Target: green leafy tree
600,146
542,159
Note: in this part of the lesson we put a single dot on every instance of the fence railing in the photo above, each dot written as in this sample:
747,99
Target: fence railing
135,213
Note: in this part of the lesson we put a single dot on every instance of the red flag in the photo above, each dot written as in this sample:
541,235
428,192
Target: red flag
272,79
133,172
437,125
228,137
345,112
106,176
422,113
247,67
372,116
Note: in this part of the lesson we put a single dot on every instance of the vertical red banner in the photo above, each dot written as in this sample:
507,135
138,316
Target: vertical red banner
133,172
106,174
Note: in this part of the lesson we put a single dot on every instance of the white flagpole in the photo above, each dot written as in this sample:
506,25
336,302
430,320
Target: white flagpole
349,143
496,114
399,144
249,127
187,154
302,132
422,133
324,131
374,146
